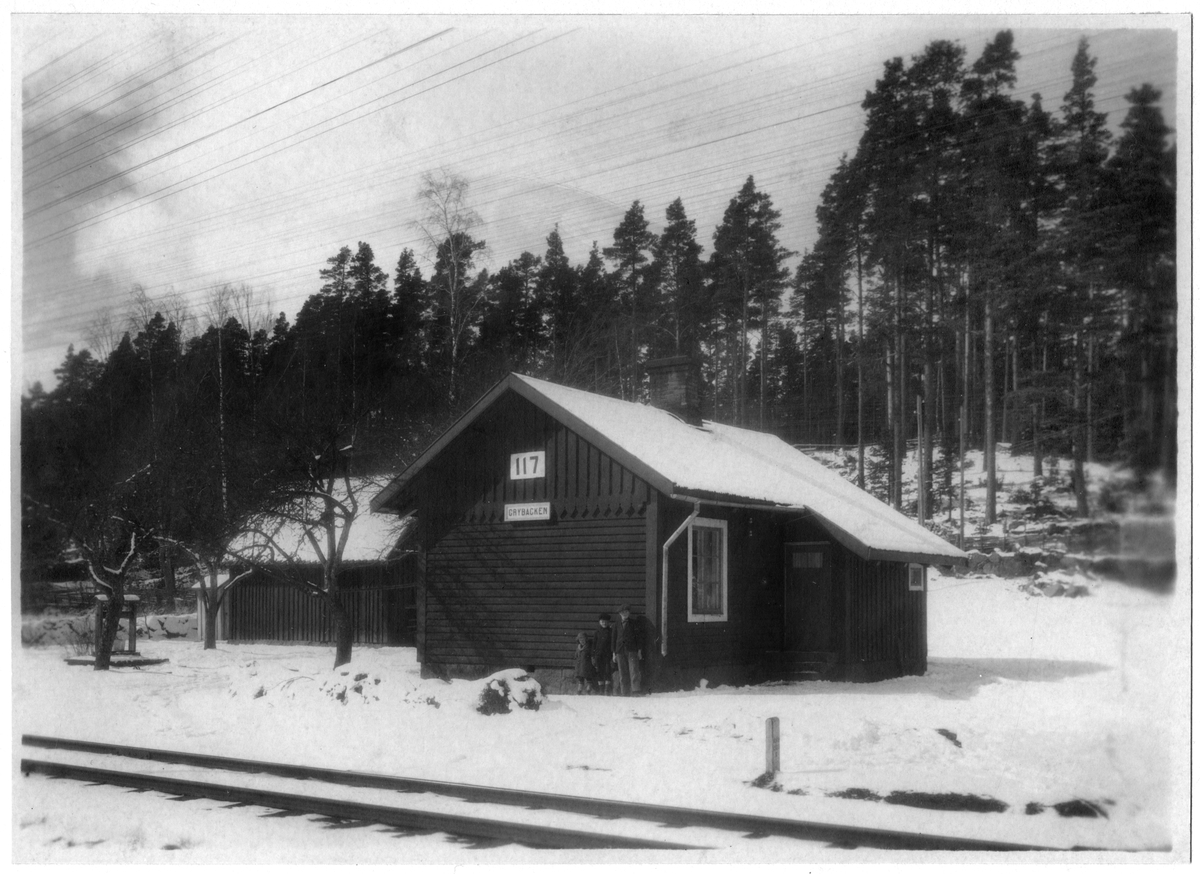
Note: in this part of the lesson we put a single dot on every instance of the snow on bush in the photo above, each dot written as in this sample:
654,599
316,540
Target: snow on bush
353,685
505,688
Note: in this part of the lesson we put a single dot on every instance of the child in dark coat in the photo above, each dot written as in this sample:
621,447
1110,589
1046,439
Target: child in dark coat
602,655
585,670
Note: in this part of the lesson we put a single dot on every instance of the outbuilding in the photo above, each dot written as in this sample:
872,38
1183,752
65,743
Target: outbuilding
273,604
543,506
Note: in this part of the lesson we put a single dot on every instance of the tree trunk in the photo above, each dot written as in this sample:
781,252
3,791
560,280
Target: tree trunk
862,448
1168,451
989,406
897,435
1091,421
1005,433
1035,412
862,475
901,439
762,370
343,631
928,408
1016,387
921,505
963,418
109,628
890,362
741,364
839,435
1078,438
210,622
806,424
211,605
166,561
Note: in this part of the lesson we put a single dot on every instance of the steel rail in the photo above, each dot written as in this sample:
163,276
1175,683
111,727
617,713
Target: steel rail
400,817
840,835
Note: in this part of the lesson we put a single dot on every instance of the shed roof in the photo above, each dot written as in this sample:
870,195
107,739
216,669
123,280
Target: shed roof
374,535
713,462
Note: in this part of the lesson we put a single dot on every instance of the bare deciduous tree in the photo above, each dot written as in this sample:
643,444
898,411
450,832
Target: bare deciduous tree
447,224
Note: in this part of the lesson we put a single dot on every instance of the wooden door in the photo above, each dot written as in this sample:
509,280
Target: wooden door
808,598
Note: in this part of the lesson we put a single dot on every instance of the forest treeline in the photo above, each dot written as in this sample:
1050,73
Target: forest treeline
984,271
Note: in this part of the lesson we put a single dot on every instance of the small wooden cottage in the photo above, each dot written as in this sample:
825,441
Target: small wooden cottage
544,505
376,582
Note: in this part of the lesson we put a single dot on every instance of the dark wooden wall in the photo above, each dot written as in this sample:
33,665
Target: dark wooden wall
515,594
887,628
878,626
381,599
518,595
755,591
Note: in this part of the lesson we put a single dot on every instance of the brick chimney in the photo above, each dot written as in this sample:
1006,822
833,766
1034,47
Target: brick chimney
675,387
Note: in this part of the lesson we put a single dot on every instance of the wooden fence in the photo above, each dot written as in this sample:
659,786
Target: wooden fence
380,598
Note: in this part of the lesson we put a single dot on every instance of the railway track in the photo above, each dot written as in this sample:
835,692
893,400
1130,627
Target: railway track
591,834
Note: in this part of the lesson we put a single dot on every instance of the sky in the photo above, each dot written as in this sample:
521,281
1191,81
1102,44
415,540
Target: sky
181,153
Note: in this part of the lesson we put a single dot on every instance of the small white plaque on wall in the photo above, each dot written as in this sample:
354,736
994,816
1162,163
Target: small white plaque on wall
527,465
526,512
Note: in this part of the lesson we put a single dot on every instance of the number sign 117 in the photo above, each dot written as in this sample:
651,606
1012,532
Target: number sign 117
527,465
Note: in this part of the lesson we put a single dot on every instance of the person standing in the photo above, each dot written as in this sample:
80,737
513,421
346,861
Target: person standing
627,653
602,652
585,668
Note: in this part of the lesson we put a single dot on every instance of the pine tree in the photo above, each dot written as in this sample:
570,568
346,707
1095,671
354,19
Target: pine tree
748,270
1003,232
411,312
1138,208
633,276
512,327
687,307
566,316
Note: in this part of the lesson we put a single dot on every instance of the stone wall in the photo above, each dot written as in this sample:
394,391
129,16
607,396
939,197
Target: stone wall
75,630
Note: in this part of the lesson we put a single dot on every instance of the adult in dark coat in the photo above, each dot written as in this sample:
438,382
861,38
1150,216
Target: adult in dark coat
602,653
627,652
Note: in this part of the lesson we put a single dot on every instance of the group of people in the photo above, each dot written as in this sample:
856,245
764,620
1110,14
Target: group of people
609,661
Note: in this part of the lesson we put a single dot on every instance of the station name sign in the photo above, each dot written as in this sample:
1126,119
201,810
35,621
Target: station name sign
526,512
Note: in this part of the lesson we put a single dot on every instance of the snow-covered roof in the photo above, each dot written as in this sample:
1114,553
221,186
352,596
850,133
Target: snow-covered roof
717,462
373,535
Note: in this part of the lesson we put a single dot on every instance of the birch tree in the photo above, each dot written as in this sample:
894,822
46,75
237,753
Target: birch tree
448,223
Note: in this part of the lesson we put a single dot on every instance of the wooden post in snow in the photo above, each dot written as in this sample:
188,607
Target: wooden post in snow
773,745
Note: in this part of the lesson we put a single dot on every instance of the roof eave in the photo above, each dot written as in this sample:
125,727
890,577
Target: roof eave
593,436
952,556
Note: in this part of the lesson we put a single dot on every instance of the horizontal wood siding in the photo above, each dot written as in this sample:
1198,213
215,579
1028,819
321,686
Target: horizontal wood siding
380,599
887,621
517,595
755,586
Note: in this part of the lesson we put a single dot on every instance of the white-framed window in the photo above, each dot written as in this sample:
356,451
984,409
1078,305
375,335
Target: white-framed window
916,578
708,570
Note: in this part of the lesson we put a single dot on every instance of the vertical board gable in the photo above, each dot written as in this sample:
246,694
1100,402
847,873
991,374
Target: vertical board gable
469,479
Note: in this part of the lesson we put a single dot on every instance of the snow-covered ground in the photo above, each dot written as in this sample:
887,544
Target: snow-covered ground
1047,700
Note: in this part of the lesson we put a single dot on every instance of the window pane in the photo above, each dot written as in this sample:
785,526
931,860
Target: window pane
707,554
807,559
